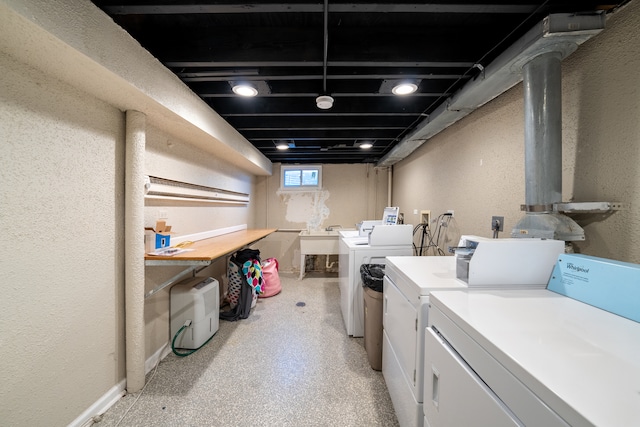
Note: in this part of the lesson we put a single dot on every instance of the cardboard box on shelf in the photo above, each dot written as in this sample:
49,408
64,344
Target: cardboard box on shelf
157,237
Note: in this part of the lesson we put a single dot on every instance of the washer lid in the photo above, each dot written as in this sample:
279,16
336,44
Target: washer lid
422,274
580,360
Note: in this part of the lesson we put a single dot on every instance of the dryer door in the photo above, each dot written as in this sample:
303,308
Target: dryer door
400,322
454,395
345,267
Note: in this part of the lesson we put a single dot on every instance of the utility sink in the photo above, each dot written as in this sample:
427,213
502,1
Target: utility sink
320,242
321,233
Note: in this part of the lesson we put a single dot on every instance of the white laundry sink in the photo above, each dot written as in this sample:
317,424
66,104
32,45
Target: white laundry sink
320,242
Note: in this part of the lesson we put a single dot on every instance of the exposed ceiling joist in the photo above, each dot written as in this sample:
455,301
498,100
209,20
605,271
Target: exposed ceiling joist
355,52
317,8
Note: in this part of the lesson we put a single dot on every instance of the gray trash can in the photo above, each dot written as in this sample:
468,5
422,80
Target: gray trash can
372,281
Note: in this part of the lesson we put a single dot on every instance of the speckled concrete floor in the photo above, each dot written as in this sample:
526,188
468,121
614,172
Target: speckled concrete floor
288,364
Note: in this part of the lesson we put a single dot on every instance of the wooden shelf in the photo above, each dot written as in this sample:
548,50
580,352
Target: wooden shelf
207,250
204,252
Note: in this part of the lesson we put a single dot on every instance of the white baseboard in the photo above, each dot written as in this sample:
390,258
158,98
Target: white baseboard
156,357
116,392
101,405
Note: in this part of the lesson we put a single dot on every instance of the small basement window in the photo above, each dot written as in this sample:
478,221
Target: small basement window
301,177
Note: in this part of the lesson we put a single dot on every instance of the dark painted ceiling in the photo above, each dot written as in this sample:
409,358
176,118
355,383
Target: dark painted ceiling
353,51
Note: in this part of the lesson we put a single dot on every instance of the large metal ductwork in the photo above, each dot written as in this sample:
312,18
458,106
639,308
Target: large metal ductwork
543,152
542,82
560,33
536,60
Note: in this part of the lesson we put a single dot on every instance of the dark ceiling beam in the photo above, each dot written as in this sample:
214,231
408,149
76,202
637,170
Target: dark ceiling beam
253,64
321,121
323,114
331,128
333,94
359,105
317,8
364,133
222,78
350,138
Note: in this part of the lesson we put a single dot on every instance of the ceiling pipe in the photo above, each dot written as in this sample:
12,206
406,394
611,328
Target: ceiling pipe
326,47
559,33
325,101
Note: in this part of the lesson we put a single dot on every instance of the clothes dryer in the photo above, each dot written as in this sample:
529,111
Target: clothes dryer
408,283
353,252
529,357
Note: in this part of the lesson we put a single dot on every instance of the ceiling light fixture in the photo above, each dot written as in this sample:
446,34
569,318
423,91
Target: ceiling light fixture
285,144
404,86
366,145
404,89
324,102
244,90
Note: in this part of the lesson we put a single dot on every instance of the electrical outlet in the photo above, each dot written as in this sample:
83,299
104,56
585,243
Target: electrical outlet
450,211
163,215
425,217
499,220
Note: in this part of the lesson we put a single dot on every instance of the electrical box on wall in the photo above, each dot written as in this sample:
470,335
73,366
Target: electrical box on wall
425,217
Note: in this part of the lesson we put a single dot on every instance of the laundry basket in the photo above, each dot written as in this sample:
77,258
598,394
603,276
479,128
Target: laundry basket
372,281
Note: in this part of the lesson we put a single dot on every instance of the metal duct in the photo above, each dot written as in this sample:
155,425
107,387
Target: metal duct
543,152
534,58
561,33
542,82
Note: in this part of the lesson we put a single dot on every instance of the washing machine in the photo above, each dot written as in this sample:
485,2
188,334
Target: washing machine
373,249
493,263
529,357
407,284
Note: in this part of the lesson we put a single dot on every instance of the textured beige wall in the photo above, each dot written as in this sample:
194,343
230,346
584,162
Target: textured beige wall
475,167
62,189
62,207
350,193
61,212
171,158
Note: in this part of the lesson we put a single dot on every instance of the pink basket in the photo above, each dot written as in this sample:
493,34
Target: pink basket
271,278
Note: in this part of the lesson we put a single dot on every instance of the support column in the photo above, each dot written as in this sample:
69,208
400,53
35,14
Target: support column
134,250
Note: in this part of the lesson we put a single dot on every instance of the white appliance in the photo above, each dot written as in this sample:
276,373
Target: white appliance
348,233
389,217
529,357
365,227
197,300
407,286
488,262
353,252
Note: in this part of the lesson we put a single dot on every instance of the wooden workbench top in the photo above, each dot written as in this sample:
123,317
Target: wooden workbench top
216,247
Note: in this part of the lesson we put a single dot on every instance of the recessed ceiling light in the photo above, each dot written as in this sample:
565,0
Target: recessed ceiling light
324,102
366,145
245,90
404,88
284,144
